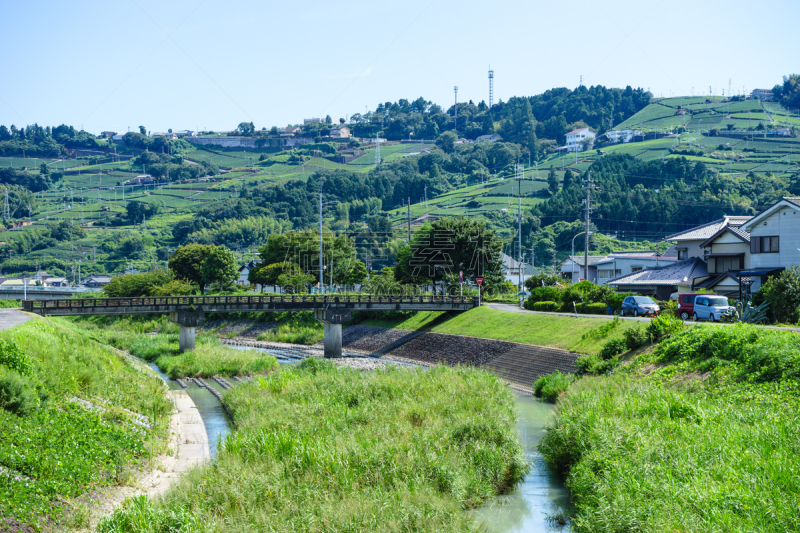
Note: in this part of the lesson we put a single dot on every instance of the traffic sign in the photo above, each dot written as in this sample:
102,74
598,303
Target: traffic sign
479,280
461,276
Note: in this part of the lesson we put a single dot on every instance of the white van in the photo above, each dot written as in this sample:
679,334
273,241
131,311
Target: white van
711,307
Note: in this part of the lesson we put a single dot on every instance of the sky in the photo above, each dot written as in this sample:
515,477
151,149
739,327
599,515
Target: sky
211,64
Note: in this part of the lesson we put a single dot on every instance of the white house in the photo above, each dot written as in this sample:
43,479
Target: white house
775,235
492,137
689,243
763,94
624,136
603,268
576,138
340,132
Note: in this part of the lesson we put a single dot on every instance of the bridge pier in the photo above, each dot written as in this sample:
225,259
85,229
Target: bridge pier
333,320
188,321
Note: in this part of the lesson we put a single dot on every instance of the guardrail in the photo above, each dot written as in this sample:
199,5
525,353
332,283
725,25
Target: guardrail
201,301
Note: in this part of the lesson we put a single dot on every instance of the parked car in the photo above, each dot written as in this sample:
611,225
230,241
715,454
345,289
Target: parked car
711,307
686,305
639,306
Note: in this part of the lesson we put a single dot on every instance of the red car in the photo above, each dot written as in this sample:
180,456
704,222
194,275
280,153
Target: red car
686,305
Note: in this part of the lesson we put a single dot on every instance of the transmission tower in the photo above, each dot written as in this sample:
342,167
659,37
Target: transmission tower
730,81
455,108
491,86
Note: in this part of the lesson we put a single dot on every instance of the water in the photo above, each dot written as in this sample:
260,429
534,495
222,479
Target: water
215,418
541,496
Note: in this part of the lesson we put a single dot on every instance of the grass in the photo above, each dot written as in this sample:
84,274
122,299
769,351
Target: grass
567,333
699,434
61,450
294,334
322,449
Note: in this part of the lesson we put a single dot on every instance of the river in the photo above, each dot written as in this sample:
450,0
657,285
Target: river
530,508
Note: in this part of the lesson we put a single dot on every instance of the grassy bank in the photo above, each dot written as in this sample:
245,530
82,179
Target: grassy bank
53,449
209,358
582,334
699,434
323,449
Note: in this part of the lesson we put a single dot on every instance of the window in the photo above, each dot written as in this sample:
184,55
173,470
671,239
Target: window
636,268
683,253
723,264
769,245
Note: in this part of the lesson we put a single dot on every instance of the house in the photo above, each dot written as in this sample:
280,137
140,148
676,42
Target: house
763,94
167,135
783,132
603,268
141,179
289,131
311,120
40,276
492,137
97,281
576,139
774,240
511,269
244,272
56,282
186,133
340,132
108,134
688,243
12,283
662,281
118,138
681,112
624,136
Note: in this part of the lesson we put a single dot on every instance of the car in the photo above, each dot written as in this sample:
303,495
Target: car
711,307
686,305
639,306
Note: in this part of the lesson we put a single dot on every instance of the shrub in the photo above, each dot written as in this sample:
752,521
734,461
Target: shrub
635,337
545,294
669,308
17,394
549,387
612,348
783,295
595,309
545,306
135,285
664,326
594,364
12,357
614,300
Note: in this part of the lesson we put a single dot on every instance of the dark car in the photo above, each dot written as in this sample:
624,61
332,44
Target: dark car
686,305
639,306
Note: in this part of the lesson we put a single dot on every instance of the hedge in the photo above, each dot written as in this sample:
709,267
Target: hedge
545,306
595,309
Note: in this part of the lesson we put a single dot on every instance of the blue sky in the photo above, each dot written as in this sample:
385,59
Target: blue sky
189,64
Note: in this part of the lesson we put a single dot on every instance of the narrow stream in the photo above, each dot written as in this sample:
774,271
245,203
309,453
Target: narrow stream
532,506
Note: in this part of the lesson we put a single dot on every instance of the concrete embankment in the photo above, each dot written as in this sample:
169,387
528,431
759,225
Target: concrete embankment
519,364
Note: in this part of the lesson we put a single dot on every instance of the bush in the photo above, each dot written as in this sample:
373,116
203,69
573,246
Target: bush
12,357
635,337
545,294
595,365
17,394
664,326
549,387
612,348
542,279
545,306
614,300
135,285
595,309
783,295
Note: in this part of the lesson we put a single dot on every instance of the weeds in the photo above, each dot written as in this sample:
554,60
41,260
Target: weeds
549,387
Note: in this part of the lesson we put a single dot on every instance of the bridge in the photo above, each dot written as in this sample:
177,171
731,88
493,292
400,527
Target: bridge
189,311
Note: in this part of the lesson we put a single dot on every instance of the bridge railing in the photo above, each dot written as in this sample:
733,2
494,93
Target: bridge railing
201,301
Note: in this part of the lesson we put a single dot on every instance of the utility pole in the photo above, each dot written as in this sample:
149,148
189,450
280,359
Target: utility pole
320,240
408,217
455,108
589,187
519,226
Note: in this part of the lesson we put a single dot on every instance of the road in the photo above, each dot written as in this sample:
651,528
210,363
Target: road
513,308
12,317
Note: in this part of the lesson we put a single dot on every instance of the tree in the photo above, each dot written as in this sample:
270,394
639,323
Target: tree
187,263
447,142
136,285
328,119
220,266
341,121
246,128
783,294
354,275
269,274
142,130
552,180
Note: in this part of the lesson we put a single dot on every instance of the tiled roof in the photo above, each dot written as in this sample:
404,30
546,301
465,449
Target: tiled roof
593,259
576,131
680,273
793,200
708,230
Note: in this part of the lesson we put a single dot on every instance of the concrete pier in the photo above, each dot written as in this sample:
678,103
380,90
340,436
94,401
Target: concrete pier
188,320
333,320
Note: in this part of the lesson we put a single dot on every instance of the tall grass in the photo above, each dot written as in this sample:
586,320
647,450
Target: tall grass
700,434
321,449
294,334
216,360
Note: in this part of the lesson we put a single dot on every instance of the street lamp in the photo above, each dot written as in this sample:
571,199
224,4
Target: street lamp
572,257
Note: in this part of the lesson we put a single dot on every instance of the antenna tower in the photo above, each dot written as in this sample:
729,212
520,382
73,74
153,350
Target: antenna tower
730,81
581,85
491,86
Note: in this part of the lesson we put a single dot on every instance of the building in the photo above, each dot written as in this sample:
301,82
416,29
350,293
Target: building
108,134
186,133
167,135
689,243
624,136
511,269
141,179
97,281
340,132
774,239
311,120
56,282
603,268
663,281
783,132
119,138
577,138
244,272
492,137
763,94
